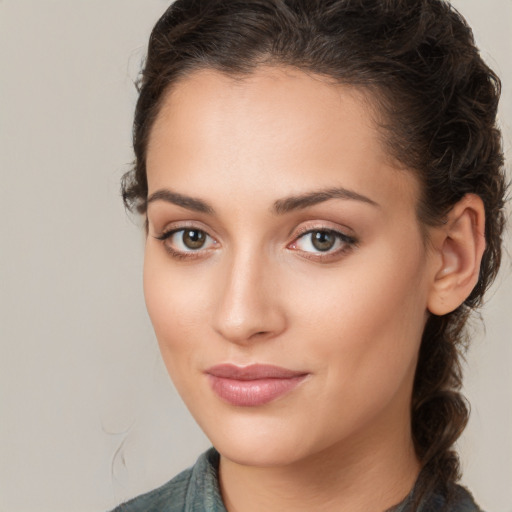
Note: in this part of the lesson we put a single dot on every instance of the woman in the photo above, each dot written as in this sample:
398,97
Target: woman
323,188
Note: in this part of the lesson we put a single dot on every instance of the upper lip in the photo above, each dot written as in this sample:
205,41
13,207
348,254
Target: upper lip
253,372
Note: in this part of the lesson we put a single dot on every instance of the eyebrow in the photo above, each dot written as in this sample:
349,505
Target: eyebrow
302,201
190,203
280,207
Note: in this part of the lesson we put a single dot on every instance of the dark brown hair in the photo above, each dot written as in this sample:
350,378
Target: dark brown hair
437,99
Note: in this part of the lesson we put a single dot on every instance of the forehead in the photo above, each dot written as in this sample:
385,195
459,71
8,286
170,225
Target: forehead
272,100
286,128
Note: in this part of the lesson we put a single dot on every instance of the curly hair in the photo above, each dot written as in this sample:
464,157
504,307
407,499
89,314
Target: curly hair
437,102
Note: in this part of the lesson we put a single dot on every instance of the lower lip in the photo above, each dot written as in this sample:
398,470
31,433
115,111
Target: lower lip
251,393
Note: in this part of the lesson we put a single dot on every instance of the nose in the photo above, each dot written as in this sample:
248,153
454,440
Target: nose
248,304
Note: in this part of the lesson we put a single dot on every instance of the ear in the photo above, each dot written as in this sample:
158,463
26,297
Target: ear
459,245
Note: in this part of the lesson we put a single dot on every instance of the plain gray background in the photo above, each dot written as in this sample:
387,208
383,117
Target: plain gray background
88,414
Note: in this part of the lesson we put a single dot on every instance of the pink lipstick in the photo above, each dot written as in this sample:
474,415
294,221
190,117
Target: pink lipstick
250,386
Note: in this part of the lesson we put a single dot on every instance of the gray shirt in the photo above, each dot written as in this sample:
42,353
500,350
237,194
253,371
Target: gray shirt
197,490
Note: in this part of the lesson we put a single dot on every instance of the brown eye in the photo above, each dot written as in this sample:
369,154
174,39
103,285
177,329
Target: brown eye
323,240
193,238
187,241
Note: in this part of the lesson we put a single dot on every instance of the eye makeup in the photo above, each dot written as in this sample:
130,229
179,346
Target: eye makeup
314,241
187,242
321,243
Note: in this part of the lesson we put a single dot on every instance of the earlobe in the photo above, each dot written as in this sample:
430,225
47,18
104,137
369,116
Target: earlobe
460,244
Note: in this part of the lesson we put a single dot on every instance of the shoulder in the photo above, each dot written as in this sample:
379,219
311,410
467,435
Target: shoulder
170,497
186,491
452,498
461,500
464,501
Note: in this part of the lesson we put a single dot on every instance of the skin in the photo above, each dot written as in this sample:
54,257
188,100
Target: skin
258,291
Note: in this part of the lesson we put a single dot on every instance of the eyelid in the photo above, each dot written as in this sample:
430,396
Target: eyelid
165,235
312,226
180,224
346,238
348,241
171,229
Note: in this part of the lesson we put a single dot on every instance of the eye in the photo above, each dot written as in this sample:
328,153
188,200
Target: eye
323,241
185,242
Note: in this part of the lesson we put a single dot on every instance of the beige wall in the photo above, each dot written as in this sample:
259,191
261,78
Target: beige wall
80,375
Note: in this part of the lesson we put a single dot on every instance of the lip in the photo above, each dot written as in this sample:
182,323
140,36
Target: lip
253,385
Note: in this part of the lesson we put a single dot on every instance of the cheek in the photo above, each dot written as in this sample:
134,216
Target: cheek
173,304
365,319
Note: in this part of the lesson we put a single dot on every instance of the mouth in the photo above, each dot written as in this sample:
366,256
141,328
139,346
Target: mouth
254,385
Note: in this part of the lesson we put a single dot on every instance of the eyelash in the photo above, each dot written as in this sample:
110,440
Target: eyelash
182,255
348,242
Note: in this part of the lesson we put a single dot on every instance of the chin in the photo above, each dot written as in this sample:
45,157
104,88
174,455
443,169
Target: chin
257,455
255,442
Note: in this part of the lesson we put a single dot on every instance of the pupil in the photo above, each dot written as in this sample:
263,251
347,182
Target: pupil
194,239
323,240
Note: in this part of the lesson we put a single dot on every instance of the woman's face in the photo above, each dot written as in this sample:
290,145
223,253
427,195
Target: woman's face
281,235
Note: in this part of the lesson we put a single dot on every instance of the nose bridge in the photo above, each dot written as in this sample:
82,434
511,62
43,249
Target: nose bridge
247,302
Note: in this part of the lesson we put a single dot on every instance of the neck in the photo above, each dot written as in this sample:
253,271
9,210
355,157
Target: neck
371,473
